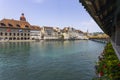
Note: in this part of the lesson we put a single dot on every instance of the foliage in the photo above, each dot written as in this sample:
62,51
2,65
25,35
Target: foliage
108,65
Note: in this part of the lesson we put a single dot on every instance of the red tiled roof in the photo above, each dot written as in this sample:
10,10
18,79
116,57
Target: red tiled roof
34,27
15,23
11,23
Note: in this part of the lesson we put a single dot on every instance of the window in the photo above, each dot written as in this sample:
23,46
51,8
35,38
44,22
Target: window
18,26
14,34
25,34
10,38
17,34
26,26
24,38
49,32
2,24
21,34
18,38
5,34
1,33
14,38
10,25
21,38
10,34
28,34
58,32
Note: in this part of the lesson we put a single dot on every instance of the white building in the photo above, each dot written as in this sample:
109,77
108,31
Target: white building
35,33
69,33
79,34
49,33
65,33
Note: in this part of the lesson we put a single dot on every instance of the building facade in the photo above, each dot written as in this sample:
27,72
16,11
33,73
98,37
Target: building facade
20,30
11,30
79,34
49,33
35,33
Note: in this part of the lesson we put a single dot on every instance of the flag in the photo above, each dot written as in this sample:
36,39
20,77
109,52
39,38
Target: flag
8,30
20,30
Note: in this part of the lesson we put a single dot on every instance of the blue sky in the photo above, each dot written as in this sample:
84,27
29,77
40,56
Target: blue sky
56,13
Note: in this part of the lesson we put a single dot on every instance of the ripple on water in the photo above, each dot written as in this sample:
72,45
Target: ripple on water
66,60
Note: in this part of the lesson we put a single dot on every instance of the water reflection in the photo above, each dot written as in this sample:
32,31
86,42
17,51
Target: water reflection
13,47
48,60
14,57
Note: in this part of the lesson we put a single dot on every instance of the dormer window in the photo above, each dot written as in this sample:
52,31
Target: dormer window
10,25
26,26
18,26
2,24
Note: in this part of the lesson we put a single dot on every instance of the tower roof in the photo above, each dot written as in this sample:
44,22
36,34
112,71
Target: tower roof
22,18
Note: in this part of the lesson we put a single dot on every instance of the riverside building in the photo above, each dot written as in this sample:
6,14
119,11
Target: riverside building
21,30
49,33
11,30
35,33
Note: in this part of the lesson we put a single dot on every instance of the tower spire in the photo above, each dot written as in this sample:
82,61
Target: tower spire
22,18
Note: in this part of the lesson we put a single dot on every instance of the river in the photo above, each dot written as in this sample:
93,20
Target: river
49,60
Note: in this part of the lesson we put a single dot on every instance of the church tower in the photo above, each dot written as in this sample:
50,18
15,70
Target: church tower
22,18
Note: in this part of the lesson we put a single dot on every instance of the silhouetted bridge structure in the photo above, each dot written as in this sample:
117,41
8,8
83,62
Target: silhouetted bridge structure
106,13
101,40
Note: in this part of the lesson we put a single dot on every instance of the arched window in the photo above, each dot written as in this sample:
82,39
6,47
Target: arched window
1,33
14,34
5,34
21,34
24,38
21,38
18,38
10,34
25,34
17,34
14,38
18,26
10,25
10,38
